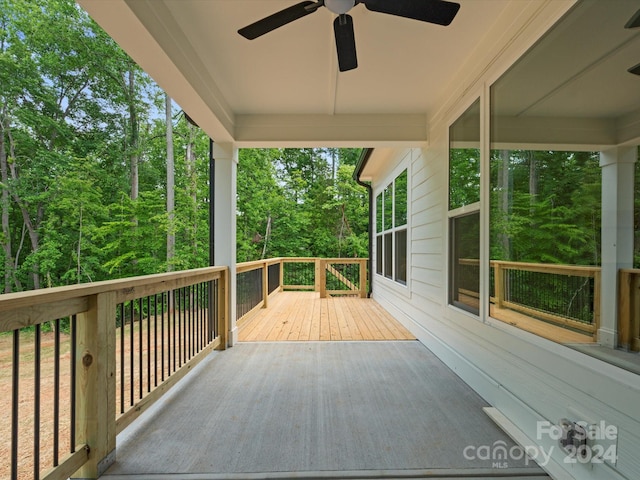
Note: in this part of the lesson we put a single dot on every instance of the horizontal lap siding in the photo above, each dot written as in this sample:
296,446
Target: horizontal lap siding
426,262
526,377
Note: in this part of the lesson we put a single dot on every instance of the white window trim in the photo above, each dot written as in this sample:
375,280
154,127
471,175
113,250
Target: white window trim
391,283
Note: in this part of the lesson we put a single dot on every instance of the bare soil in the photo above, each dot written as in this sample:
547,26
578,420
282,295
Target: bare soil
147,372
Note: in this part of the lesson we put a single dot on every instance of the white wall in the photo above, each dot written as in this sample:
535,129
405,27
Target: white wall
528,378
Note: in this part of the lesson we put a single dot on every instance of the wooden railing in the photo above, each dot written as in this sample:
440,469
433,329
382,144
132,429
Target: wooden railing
565,295
257,280
130,338
570,286
629,309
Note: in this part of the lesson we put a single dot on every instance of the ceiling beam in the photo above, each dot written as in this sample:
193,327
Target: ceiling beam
331,130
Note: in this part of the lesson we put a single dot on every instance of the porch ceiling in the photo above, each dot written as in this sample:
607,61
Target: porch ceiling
284,88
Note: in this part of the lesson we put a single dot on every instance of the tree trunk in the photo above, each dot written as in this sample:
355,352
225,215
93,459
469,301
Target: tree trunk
5,202
533,177
192,183
504,187
79,250
171,237
134,135
267,234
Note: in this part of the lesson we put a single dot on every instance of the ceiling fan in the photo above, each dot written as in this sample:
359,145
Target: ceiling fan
634,22
440,12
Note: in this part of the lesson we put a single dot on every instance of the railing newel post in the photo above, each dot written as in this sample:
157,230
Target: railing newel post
319,265
96,400
281,286
321,276
223,309
363,278
597,281
499,284
265,284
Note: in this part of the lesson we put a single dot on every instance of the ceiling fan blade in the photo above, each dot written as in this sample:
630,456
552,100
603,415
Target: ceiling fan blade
279,19
635,70
345,42
439,12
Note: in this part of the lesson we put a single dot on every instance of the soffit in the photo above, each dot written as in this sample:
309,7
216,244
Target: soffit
284,88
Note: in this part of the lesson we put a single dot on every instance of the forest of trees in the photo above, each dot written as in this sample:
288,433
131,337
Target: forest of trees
103,176
546,207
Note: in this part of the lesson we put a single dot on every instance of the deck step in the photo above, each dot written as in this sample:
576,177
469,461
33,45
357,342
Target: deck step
438,474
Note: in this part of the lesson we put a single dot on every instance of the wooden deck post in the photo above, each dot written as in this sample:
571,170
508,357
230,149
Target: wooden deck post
635,313
499,284
96,388
363,278
624,308
321,277
265,284
223,309
597,288
317,284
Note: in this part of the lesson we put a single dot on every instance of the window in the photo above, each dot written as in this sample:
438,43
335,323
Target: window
464,210
391,230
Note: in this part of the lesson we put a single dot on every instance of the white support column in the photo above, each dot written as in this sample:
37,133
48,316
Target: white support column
224,235
618,166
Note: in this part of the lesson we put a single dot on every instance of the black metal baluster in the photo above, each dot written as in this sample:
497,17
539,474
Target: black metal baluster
200,316
131,355
74,352
178,339
148,344
185,316
140,363
191,323
36,401
155,340
56,394
162,337
15,403
173,315
122,324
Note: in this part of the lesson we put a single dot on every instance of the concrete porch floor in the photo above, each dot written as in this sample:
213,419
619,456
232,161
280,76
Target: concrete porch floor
385,409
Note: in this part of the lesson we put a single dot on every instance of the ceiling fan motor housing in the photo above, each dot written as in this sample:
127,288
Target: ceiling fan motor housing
339,6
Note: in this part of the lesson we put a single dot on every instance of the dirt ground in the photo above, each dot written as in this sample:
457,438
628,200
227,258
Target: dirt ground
143,382
26,402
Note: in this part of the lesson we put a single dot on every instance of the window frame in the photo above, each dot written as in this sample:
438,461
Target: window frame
464,210
390,276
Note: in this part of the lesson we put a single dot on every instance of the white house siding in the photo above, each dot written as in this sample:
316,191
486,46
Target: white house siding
527,378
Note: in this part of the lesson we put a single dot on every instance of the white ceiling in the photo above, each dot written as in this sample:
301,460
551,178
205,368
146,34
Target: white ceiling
285,86
573,86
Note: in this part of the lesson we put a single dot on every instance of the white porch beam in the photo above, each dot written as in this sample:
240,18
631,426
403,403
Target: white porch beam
331,130
618,167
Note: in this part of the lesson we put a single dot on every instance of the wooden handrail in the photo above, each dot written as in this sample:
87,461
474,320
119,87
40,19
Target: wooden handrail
500,301
23,309
94,309
573,270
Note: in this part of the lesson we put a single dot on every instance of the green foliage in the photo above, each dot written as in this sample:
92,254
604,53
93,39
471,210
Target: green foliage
309,200
464,177
76,113
557,223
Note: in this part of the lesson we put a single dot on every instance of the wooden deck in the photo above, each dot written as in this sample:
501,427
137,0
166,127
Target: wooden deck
304,316
540,327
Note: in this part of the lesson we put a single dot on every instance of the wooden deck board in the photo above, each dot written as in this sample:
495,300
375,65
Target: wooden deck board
539,327
304,316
